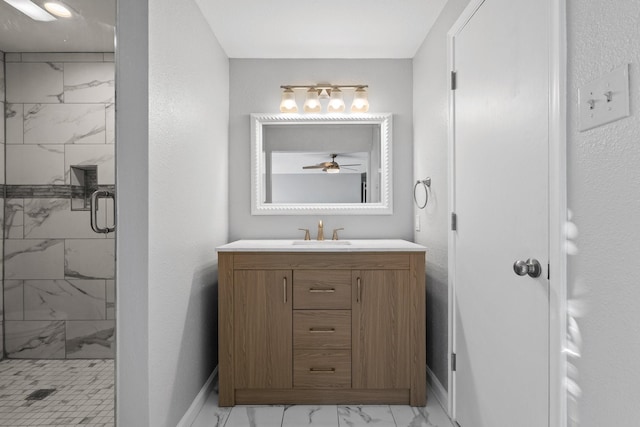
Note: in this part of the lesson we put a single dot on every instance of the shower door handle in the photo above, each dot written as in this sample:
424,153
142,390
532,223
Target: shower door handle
101,194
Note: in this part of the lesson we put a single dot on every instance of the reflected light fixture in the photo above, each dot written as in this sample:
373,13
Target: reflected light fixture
31,9
288,103
58,9
321,96
360,101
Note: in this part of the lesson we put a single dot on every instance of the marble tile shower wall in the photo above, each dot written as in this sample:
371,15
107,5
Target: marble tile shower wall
59,295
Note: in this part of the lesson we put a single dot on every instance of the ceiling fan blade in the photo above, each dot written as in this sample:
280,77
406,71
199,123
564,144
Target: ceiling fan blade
314,167
352,164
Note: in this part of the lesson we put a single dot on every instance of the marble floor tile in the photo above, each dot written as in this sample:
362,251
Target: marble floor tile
255,416
410,416
365,415
211,415
309,415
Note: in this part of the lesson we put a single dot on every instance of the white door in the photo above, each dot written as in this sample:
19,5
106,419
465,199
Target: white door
500,195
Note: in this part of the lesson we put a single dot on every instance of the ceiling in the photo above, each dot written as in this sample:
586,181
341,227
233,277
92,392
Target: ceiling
248,28
91,29
321,28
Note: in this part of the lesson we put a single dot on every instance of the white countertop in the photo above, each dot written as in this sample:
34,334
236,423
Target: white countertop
347,245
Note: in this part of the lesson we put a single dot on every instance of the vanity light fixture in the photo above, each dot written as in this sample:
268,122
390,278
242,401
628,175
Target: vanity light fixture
31,9
336,103
58,9
360,101
318,93
288,103
312,103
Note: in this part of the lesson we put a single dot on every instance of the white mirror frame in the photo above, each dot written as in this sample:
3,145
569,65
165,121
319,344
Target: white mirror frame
258,207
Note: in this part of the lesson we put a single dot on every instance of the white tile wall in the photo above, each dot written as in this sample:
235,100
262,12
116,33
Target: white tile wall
89,258
34,259
40,82
61,113
14,121
14,300
62,57
111,299
35,164
110,115
14,219
64,300
64,123
54,219
101,155
35,339
89,82
90,339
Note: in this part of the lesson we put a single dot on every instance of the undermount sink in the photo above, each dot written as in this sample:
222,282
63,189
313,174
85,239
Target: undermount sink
321,242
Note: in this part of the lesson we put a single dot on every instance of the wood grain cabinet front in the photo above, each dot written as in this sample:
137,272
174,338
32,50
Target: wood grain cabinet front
322,328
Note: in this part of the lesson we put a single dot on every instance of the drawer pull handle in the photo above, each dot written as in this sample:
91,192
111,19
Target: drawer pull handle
322,330
359,291
284,289
322,370
322,290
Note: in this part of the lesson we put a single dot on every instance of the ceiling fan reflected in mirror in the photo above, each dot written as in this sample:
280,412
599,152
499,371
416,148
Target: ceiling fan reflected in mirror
332,166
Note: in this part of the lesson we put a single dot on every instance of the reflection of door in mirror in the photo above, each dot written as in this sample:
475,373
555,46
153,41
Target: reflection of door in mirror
338,163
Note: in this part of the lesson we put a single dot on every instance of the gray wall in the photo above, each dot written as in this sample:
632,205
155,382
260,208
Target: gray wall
255,88
604,196
430,121
173,179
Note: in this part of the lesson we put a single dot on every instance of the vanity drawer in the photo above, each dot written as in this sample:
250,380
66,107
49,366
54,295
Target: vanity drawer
322,369
322,289
322,329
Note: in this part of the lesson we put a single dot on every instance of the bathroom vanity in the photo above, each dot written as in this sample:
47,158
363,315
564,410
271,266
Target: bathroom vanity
334,322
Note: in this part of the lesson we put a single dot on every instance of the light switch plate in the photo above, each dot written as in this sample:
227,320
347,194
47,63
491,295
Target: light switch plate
417,222
604,100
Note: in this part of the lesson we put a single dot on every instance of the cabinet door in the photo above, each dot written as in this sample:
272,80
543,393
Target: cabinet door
262,311
380,322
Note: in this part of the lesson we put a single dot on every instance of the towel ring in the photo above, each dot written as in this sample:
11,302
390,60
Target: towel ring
426,184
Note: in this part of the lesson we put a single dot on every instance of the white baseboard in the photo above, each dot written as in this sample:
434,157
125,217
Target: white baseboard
438,390
192,413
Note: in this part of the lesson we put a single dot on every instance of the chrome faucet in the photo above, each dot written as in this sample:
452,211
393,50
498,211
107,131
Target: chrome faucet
320,230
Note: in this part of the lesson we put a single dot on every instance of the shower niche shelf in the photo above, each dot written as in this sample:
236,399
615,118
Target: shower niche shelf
84,181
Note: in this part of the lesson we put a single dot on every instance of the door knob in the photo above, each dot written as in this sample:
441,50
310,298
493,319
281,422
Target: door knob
531,267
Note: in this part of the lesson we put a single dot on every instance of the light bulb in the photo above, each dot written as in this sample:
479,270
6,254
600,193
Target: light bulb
333,170
360,101
336,103
288,103
57,9
312,103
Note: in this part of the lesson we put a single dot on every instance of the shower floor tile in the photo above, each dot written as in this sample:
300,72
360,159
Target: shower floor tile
84,393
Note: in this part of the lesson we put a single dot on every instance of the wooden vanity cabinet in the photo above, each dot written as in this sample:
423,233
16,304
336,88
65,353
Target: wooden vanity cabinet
322,328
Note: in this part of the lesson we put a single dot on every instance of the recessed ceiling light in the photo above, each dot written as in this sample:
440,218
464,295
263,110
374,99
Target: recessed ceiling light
31,9
58,9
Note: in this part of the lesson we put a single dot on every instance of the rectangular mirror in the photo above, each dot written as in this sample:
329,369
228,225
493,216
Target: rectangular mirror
321,164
